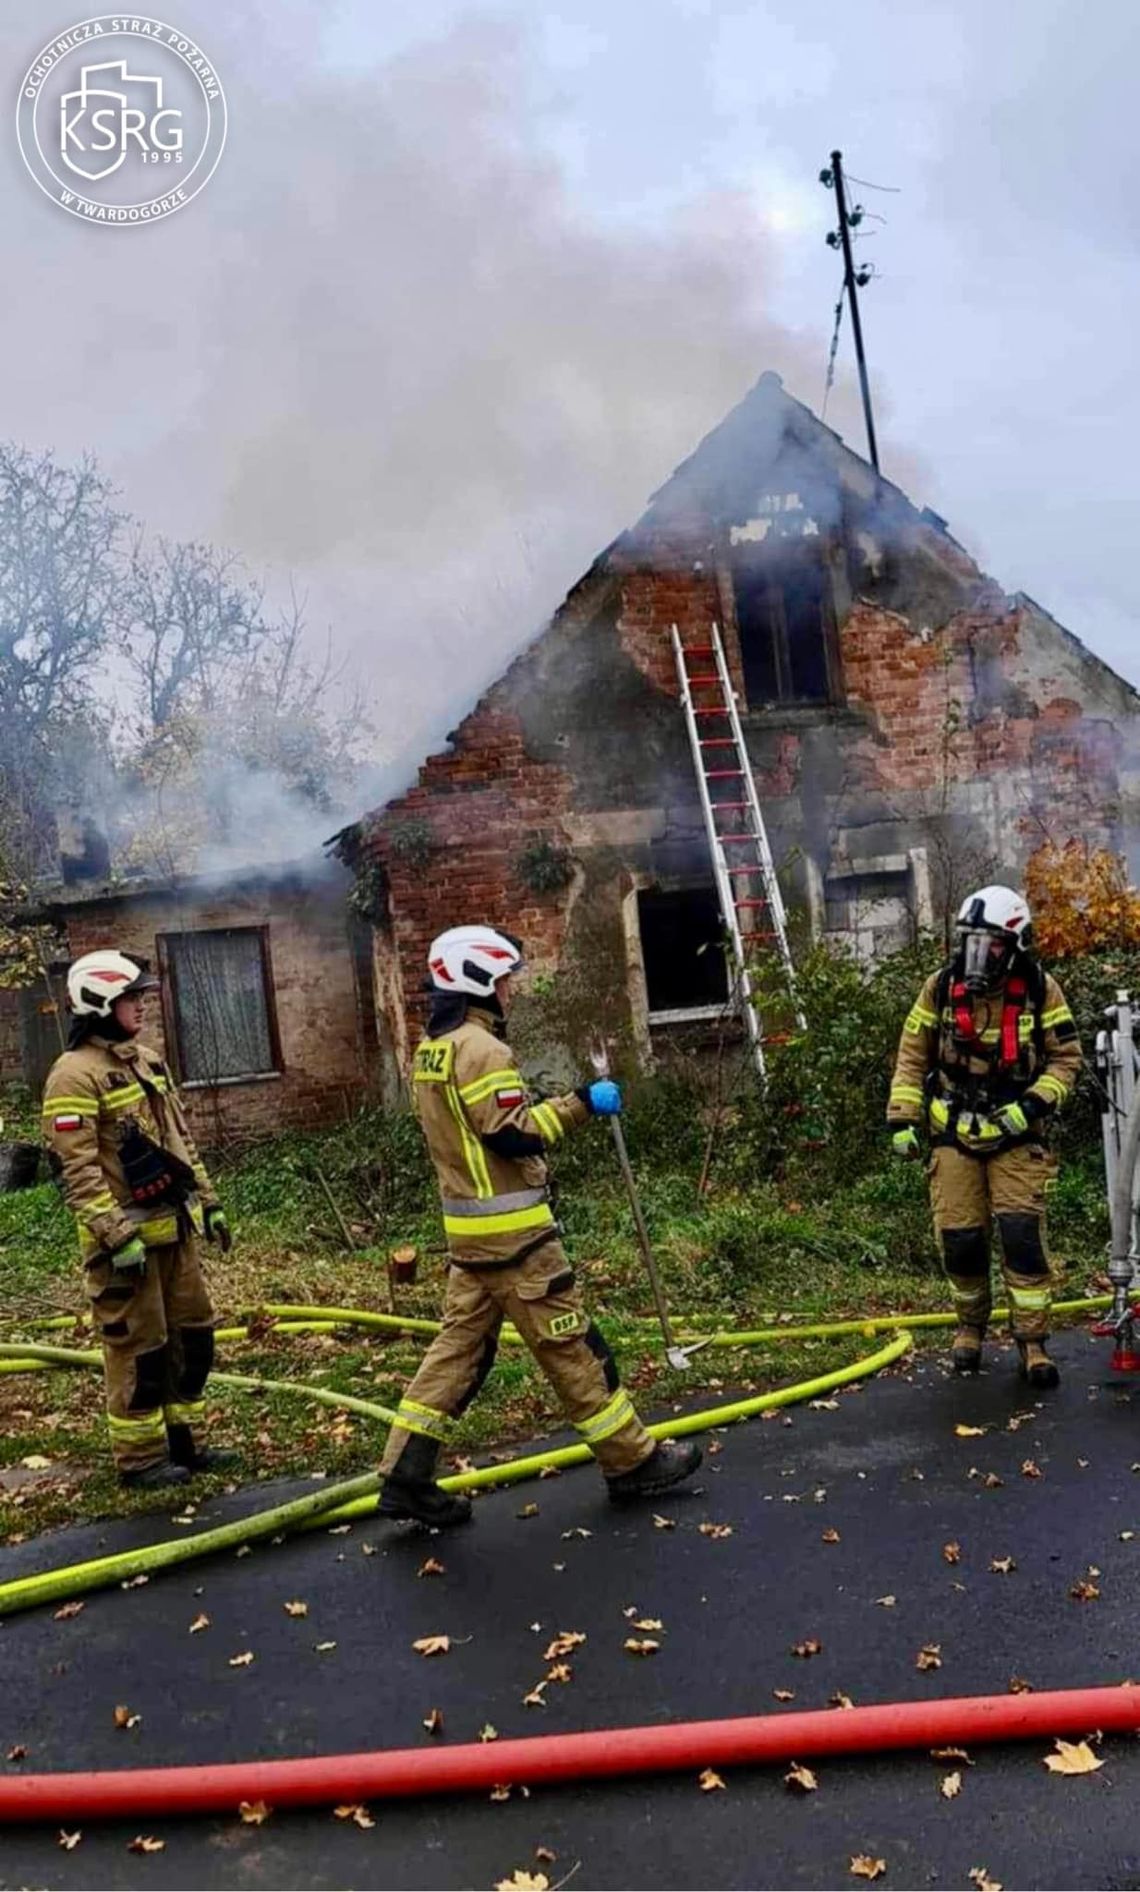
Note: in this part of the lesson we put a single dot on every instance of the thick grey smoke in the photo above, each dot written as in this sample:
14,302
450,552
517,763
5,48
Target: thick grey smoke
380,355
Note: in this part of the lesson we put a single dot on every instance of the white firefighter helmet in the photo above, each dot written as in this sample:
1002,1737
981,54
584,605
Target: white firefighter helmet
992,925
470,958
96,980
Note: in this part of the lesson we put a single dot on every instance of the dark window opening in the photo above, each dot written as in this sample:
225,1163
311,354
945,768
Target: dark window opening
218,1004
783,614
681,948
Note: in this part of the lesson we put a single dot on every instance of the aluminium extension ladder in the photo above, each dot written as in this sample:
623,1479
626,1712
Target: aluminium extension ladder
751,905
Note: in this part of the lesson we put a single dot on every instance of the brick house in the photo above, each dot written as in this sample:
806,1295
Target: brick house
266,1014
912,729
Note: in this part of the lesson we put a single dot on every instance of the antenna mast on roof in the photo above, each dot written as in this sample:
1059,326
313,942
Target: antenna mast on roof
841,239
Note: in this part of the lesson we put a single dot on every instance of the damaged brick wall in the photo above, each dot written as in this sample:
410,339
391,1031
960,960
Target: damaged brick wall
324,1076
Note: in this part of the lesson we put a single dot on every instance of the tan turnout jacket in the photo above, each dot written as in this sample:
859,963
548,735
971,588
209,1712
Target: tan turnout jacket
1046,1068
90,1095
467,1086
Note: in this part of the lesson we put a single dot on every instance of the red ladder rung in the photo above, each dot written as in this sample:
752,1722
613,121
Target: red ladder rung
714,710
750,903
750,871
696,650
717,742
757,933
731,804
720,775
704,680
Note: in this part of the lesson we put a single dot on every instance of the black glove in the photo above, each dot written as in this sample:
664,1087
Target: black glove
217,1228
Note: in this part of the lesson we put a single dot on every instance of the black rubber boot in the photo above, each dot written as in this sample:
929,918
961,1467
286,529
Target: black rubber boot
410,1490
211,1458
1036,1366
154,1477
665,1467
966,1350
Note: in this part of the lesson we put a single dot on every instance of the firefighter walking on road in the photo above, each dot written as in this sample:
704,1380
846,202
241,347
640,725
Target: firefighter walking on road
988,1054
489,1144
141,1197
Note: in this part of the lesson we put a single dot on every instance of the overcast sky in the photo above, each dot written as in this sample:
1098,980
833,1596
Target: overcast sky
468,283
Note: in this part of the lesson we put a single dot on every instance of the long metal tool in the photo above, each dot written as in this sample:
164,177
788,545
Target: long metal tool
677,1356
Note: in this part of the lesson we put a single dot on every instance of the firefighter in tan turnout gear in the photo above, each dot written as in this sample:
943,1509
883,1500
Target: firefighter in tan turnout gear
141,1197
988,1054
489,1145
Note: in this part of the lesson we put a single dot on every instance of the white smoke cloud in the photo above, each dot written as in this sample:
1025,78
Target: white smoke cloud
381,354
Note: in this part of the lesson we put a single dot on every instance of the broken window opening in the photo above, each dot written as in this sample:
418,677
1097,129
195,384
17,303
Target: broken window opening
218,1005
682,950
785,620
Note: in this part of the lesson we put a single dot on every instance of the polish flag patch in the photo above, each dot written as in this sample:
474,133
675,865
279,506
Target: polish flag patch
510,1100
68,1121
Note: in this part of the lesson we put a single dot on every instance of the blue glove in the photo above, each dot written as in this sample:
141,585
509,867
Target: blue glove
602,1098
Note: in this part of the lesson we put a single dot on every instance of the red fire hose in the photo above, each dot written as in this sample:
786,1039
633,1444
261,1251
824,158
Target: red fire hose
600,1752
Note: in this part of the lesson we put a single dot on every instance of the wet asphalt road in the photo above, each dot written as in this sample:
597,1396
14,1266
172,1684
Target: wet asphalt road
884,1468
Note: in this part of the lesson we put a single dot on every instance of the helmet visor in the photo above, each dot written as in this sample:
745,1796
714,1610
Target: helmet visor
985,957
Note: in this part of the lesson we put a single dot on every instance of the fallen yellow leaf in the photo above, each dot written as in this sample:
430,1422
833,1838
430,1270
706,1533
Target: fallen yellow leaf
528,1511
980,1877
715,1530
431,1568
1083,1591
254,1812
559,1672
648,1622
929,1656
1019,1686
952,1553
500,1793
830,1536
840,1700
970,1432
887,1602
296,1609
864,1867
69,1841
710,1782
1072,1757
809,1647
357,1813
950,1754
1003,1565
432,1645
951,1786
201,1621
243,1660
800,1779
784,1694
537,1697
521,1881
143,1844
324,1648
564,1643
68,1610
125,1719
433,1721
663,1524
1031,1470
488,1732
641,1646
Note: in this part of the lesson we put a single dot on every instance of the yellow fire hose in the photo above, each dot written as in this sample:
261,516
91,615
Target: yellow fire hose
357,1497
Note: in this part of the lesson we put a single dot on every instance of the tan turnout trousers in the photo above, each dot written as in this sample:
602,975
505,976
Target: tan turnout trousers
157,1332
540,1297
967,1194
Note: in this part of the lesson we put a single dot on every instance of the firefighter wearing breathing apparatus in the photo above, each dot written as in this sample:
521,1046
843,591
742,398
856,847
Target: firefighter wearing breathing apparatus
988,1054
488,1143
126,1163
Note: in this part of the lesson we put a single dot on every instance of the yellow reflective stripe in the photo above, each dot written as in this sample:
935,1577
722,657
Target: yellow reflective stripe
906,1093
481,1087
918,1018
550,1125
1050,1087
139,1430
119,1099
158,1081
188,1412
1057,1016
83,1106
473,1150
158,1231
471,1226
98,1205
939,1112
423,1419
616,1413
1032,1300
